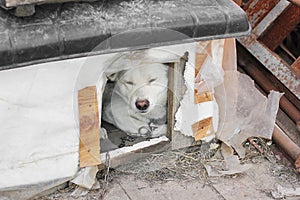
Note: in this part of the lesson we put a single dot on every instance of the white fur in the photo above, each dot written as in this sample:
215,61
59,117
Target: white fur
144,81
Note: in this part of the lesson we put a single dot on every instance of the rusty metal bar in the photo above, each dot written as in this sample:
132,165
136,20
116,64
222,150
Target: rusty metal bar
276,65
296,2
273,63
279,137
267,17
256,10
287,145
296,66
281,27
238,2
270,17
266,85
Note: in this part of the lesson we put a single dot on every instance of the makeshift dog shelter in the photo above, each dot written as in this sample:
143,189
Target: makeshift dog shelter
53,72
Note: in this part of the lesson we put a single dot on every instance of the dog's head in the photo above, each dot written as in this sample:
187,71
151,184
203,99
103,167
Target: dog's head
144,87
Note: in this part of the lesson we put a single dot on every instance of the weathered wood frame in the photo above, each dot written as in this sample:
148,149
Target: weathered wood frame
176,90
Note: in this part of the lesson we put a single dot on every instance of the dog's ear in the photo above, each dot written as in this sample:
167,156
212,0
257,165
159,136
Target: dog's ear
112,77
115,76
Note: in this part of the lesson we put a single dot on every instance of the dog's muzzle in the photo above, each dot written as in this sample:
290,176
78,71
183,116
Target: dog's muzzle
142,105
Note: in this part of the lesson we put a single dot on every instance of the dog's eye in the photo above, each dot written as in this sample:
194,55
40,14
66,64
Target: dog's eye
129,82
152,80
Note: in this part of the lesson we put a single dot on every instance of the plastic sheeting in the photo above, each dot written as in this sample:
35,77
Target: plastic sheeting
245,112
239,110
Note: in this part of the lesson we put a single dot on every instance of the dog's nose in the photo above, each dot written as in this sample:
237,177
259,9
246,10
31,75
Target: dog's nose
142,104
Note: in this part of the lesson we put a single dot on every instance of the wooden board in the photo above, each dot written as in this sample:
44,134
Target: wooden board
135,152
203,97
89,151
201,129
176,89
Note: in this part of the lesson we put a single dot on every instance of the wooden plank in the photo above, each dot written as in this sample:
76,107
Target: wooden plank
176,90
281,27
89,150
135,152
202,128
202,97
171,101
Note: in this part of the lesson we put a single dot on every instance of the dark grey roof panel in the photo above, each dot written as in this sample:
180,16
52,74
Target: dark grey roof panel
61,31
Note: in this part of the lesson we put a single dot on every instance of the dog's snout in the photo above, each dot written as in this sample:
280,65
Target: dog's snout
142,104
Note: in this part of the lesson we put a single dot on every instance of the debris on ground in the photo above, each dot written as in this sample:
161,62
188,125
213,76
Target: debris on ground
188,165
282,192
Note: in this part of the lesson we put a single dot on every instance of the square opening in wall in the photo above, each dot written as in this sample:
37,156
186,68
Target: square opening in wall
140,100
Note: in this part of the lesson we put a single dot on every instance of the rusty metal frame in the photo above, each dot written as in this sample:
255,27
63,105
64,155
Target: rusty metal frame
272,21
256,10
281,27
288,146
279,68
296,2
283,140
296,65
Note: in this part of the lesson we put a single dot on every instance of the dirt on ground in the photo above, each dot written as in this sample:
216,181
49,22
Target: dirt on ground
160,174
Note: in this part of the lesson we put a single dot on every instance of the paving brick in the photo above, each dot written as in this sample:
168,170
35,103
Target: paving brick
137,189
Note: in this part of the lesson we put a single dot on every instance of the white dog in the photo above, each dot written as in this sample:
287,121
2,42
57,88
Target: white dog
136,102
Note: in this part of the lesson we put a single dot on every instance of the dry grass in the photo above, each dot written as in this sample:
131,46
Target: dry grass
183,165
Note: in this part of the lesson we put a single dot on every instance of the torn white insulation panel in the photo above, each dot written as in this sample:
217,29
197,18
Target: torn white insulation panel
39,124
189,113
